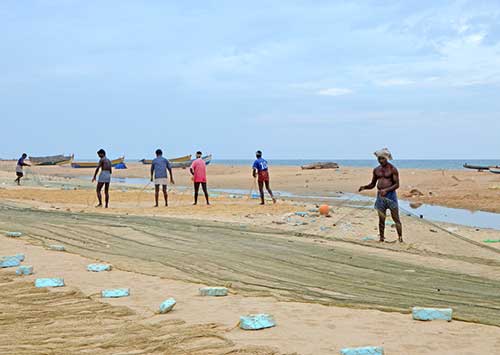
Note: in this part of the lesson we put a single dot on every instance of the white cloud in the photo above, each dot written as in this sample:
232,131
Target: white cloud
335,92
395,82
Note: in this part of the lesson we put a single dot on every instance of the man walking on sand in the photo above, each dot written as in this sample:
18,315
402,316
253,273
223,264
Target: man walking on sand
386,178
159,168
19,168
261,172
104,177
199,171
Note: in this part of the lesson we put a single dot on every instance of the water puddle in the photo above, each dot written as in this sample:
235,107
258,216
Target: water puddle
436,213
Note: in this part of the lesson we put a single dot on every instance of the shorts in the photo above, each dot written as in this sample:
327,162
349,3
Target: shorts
161,181
19,169
263,176
104,177
19,174
389,201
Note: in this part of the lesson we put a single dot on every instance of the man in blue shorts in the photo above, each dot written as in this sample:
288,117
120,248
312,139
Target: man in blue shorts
386,178
159,175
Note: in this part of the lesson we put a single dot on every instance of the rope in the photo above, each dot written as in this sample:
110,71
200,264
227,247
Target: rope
141,192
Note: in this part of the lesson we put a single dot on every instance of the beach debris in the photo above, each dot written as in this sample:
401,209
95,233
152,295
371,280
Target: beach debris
426,314
213,291
389,223
367,239
167,305
24,270
57,247
324,228
433,230
491,240
301,214
324,210
452,229
14,234
416,205
19,257
257,321
49,282
367,350
99,267
115,293
255,196
414,193
9,261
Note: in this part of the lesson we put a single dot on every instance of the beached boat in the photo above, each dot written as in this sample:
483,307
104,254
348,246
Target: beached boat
476,167
495,170
320,165
51,160
186,164
173,160
94,164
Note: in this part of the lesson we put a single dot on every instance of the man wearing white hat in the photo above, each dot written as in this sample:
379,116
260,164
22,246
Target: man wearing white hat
386,178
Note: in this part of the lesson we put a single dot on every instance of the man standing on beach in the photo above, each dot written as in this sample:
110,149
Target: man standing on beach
199,171
261,172
387,177
104,177
19,168
159,168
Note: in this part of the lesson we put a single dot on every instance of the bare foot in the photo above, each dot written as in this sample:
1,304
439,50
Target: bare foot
194,204
106,206
98,205
262,203
155,205
381,240
400,239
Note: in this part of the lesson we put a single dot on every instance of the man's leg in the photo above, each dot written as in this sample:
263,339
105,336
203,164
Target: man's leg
261,190
165,195
18,180
268,188
397,222
196,188
106,194
381,224
99,195
157,192
205,191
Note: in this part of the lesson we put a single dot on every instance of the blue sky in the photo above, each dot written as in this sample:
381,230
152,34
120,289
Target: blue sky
297,79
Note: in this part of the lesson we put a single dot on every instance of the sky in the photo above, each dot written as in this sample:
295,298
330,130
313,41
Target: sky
296,79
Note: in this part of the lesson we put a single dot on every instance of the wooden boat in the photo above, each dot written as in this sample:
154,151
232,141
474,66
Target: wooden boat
186,164
495,170
173,160
476,167
320,165
51,160
92,164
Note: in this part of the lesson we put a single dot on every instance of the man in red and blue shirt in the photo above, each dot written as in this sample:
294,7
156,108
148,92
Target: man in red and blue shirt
261,172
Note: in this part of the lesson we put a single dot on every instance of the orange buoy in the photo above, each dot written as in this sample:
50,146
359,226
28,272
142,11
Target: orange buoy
324,210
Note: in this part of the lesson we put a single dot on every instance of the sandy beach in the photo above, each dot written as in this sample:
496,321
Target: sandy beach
327,281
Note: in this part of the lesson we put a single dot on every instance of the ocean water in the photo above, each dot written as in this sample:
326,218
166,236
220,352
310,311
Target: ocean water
403,163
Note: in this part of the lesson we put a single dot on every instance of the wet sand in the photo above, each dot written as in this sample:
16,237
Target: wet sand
327,287
467,189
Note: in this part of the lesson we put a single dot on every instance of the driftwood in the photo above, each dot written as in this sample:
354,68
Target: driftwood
320,165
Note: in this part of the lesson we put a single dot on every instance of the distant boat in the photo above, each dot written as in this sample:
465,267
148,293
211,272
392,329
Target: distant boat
320,165
480,167
173,160
92,164
495,170
51,160
186,164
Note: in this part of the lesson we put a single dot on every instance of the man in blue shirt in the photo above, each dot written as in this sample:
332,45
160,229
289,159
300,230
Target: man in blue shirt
159,168
261,172
19,168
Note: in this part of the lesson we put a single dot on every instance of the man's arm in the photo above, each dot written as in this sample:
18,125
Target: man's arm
152,170
26,164
395,179
372,184
169,167
254,172
96,171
